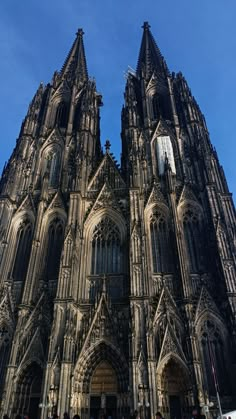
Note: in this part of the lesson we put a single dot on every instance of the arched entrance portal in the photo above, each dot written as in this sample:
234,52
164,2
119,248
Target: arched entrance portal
100,381
103,392
175,392
28,392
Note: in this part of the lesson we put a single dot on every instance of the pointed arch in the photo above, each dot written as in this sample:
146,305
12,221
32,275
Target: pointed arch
107,255
62,113
23,244
77,115
214,351
174,378
191,215
28,389
159,233
155,106
89,361
192,236
55,234
51,165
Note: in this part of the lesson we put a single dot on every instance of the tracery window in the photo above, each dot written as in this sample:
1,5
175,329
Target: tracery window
54,248
62,115
106,248
155,106
77,116
161,250
193,240
54,169
213,353
22,254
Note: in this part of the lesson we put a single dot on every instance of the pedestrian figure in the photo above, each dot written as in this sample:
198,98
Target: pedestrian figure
196,414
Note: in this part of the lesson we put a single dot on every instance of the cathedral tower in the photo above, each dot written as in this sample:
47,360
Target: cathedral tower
117,285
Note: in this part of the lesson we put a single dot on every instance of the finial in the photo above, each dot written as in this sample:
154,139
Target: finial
104,285
80,32
146,26
107,145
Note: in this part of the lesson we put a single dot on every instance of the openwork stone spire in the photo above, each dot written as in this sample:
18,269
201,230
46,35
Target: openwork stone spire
150,57
75,66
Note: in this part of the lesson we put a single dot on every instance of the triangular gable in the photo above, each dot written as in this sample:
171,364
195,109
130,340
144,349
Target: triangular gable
63,90
69,237
156,196
142,359
27,204
102,327
54,137
34,349
205,303
106,199
171,345
188,195
152,82
166,302
162,129
40,310
107,170
57,202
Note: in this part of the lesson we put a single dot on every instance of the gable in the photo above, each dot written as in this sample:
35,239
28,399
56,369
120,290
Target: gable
107,170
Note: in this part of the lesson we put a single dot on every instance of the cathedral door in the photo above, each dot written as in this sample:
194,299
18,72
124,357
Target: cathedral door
103,392
175,407
175,385
28,395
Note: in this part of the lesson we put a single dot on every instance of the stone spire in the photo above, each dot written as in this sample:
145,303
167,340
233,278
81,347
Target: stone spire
150,57
75,67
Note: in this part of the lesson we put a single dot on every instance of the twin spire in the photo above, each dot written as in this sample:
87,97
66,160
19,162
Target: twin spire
149,59
75,66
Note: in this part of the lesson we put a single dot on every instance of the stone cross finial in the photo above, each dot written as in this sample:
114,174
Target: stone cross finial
107,145
80,32
146,25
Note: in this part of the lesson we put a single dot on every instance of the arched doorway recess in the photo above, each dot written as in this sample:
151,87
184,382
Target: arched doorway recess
28,391
174,389
103,392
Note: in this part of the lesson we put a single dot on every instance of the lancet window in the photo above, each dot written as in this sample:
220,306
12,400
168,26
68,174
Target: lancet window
62,115
193,241
155,106
106,248
161,251
213,354
54,248
22,254
77,115
54,169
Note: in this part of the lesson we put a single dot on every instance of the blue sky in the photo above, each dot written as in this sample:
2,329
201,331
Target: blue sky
195,37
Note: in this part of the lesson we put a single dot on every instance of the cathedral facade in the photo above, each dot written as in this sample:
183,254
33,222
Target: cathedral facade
117,283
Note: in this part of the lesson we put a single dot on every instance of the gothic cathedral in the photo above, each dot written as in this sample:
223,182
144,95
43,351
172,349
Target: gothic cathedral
117,283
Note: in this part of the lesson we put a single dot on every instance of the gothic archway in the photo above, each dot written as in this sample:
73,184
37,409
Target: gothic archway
27,396
175,396
103,391
102,373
